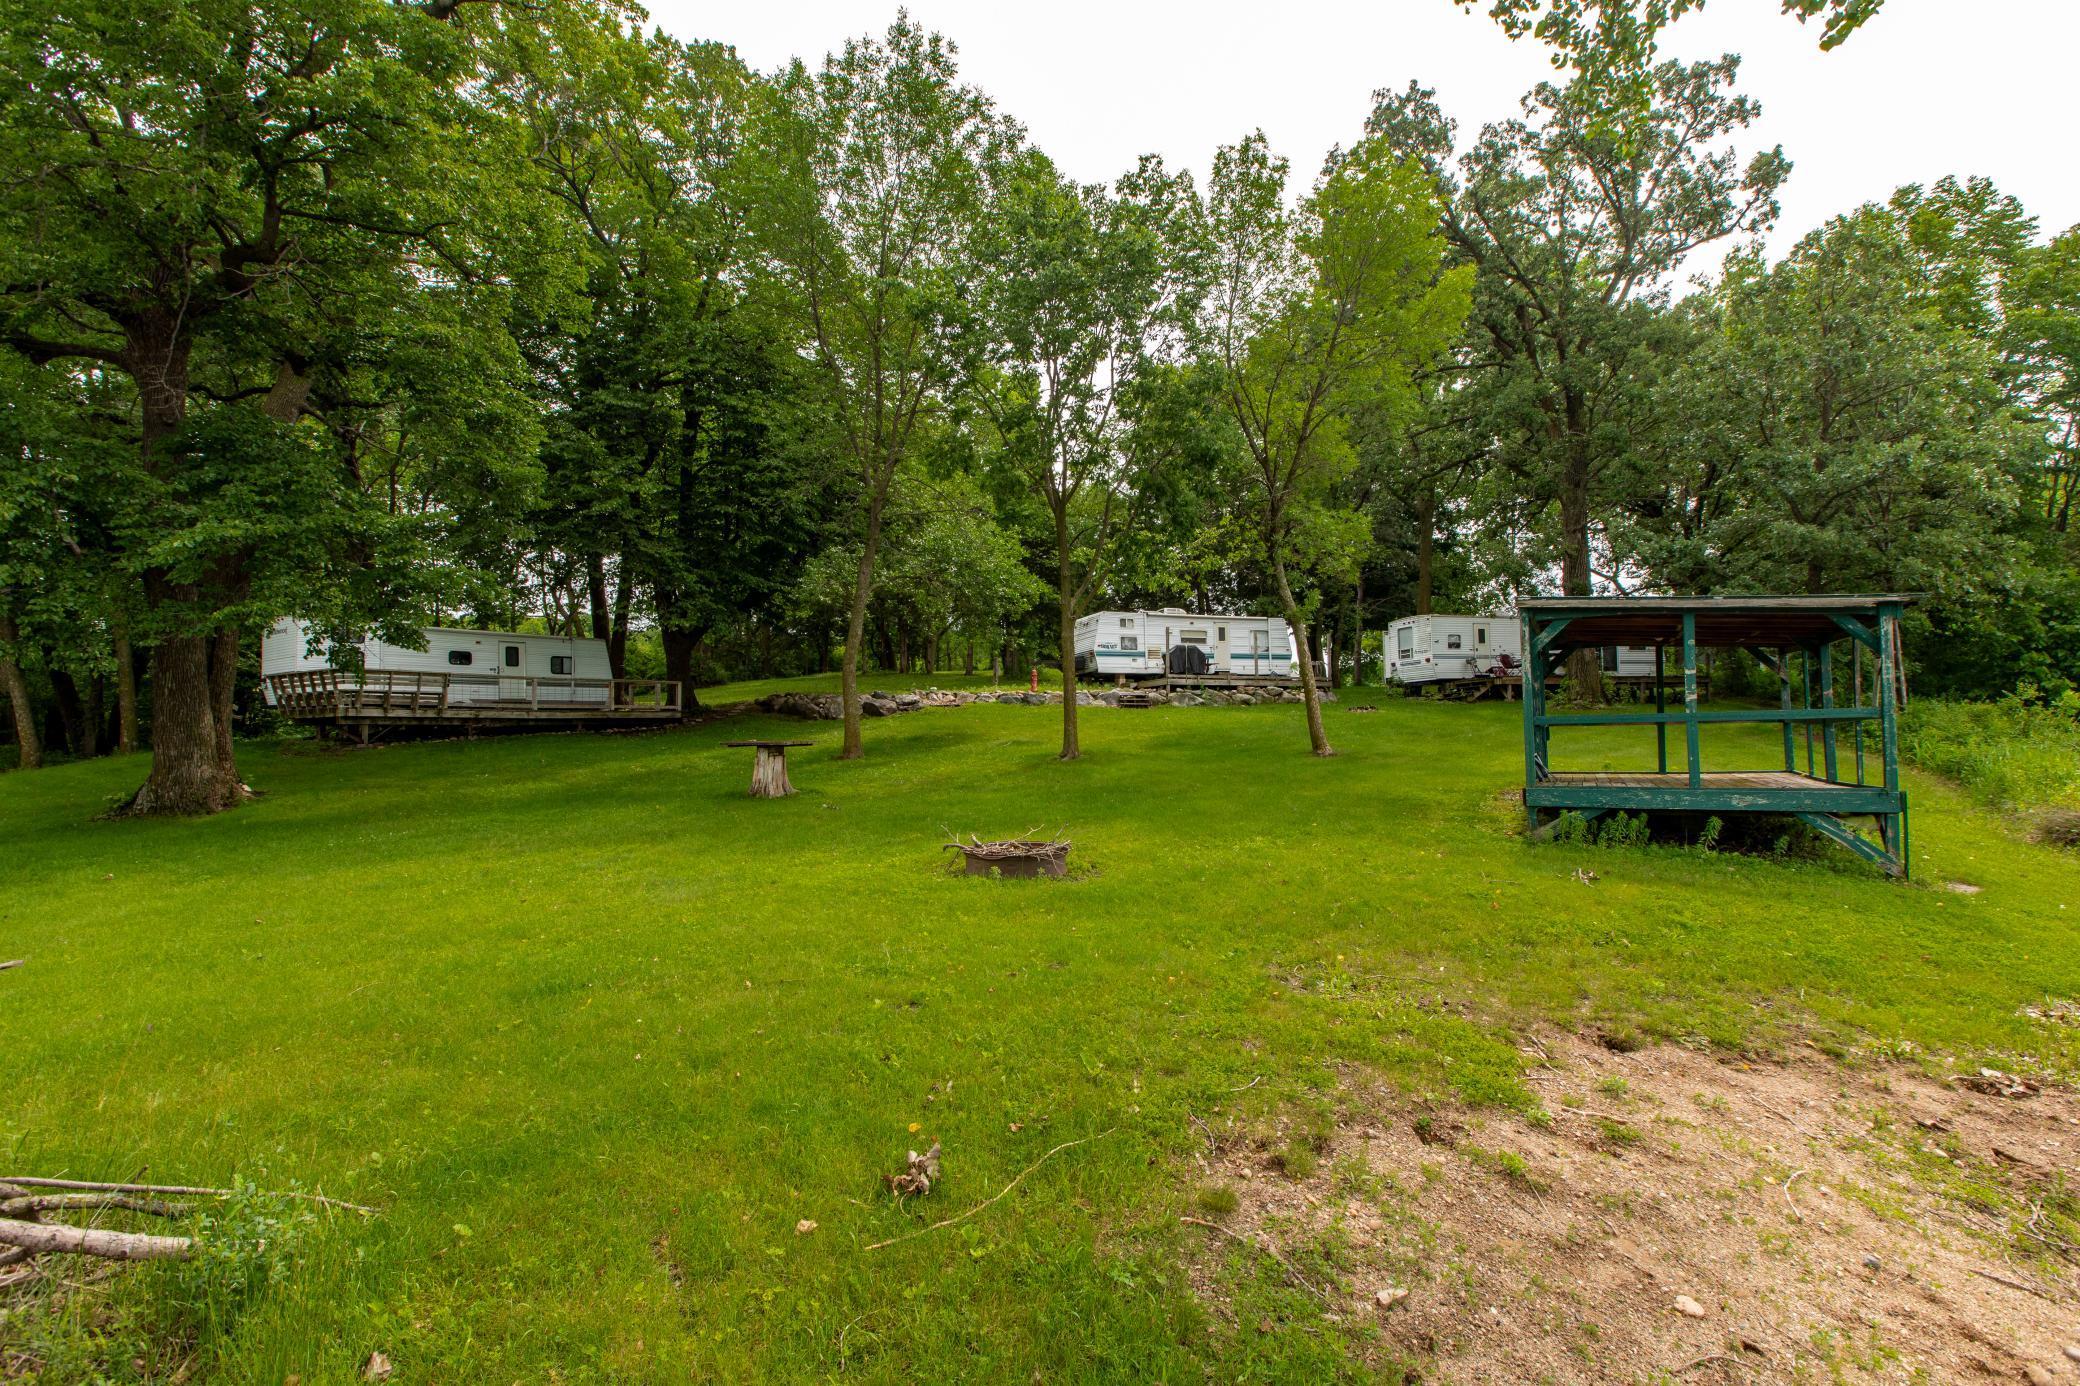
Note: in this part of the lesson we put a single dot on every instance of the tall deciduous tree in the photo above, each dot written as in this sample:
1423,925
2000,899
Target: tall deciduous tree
1319,312
878,172
2041,349
207,196
1087,294
1575,218
1834,429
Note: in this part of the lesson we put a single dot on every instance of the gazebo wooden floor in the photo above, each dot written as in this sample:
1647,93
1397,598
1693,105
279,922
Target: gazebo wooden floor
1710,779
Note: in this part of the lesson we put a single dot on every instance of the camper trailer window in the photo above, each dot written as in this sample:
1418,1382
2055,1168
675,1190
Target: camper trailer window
1130,642
1126,623
1221,633
1480,635
1451,642
559,664
1192,637
1405,640
460,657
512,656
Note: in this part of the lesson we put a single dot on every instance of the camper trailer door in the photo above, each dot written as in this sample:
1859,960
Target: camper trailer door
512,669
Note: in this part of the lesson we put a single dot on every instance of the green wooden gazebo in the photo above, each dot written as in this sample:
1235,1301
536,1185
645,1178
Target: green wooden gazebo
1821,704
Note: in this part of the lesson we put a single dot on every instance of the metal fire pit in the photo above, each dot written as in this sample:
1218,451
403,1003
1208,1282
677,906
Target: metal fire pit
1019,857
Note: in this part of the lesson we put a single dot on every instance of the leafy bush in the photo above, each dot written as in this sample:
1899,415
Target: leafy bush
2021,750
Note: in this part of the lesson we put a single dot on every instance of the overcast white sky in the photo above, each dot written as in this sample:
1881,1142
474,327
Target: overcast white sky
1929,87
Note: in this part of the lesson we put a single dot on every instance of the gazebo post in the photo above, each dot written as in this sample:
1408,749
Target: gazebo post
1805,678
1660,708
1888,729
1827,702
1534,706
1856,692
1690,697
1784,696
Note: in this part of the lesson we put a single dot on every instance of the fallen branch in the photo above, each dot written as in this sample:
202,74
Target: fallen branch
2011,1284
11,964
1796,1216
38,1238
1264,1246
177,1190
948,1222
29,1205
1250,1084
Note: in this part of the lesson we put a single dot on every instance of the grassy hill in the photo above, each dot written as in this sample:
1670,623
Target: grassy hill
598,1033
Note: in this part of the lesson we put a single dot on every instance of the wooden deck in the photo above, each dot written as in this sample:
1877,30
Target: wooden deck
373,700
1757,791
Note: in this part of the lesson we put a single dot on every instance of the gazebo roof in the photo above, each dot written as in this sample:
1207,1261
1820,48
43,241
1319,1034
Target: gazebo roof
1721,621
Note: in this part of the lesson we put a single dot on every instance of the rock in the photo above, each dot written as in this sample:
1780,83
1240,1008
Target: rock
2073,1352
804,1227
1033,699
1872,1264
1995,1083
1388,1298
871,706
820,707
1688,1307
2038,1376
907,702
376,1368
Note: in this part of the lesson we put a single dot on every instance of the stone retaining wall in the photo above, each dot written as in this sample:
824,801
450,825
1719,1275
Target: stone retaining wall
826,707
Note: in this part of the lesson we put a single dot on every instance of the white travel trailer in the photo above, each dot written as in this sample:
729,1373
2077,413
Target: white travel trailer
1137,644
1437,648
1445,648
483,666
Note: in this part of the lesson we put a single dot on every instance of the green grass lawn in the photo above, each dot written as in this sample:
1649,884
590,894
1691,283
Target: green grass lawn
596,1031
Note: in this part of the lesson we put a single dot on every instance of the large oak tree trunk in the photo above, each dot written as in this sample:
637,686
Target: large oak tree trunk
680,643
617,636
596,596
191,772
187,775
223,688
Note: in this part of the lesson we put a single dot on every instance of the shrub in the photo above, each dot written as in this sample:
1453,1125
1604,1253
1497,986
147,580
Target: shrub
2021,750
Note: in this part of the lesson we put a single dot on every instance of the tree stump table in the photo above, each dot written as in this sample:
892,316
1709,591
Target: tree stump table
769,767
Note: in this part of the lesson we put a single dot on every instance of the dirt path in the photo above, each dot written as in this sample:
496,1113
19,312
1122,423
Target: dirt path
1824,1223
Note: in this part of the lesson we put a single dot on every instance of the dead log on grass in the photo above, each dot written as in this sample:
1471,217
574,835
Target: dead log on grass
24,1233
37,1238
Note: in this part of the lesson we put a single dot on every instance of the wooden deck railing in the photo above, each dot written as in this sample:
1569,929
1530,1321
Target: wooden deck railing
332,693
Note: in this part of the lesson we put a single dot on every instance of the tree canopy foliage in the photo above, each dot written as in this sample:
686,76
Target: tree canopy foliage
381,314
